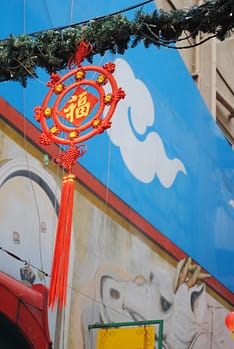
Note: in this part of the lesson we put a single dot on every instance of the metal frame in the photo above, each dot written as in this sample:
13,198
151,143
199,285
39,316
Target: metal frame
134,323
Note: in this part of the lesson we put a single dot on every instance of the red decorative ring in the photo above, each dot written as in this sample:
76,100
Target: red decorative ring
81,131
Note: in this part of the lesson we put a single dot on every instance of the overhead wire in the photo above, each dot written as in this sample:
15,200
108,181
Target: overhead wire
48,13
60,28
35,199
94,298
151,36
127,9
159,41
109,143
71,11
25,262
168,43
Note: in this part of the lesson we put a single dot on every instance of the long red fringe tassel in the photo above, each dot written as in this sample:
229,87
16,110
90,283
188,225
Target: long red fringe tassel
59,275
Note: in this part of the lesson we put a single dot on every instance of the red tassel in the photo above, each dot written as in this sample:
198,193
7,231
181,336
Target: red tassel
81,52
59,275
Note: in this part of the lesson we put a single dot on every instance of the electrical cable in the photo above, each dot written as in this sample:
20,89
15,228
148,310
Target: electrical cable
28,169
95,299
24,261
93,19
213,17
161,43
71,11
48,12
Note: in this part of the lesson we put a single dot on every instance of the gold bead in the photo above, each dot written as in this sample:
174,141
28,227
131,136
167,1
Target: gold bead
96,122
80,75
108,99
54,130
101,79
58,88
73,134
47,112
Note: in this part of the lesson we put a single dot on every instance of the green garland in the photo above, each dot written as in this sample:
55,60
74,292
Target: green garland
51,50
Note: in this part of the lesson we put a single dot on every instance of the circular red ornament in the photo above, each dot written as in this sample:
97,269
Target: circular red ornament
229,321
74,111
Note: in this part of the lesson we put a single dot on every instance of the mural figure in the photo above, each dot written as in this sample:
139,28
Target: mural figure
180,301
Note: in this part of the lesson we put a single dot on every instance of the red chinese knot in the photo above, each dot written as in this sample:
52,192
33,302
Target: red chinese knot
78,106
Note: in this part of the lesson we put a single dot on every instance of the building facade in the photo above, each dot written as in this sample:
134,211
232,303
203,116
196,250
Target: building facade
209,65
153,211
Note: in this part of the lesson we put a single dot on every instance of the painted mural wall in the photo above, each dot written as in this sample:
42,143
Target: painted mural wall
124,278
117,274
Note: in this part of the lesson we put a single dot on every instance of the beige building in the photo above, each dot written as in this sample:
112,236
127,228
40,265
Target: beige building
210,66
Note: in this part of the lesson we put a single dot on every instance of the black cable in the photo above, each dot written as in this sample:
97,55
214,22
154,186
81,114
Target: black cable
95,19
43,48
23,261
165,43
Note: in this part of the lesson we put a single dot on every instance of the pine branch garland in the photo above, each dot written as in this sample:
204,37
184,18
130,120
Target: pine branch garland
51,50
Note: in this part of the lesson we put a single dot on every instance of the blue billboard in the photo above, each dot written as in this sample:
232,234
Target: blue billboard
164,155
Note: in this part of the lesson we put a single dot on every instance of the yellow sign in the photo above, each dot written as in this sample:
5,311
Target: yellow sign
141,337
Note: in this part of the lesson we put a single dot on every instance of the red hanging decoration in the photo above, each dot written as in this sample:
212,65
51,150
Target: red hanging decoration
76,108
229,322
82,51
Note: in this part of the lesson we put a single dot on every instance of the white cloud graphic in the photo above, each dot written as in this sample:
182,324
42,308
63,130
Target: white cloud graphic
142,150
231,203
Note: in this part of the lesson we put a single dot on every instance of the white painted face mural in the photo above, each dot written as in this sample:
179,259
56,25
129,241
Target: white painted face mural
181,302
130,131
